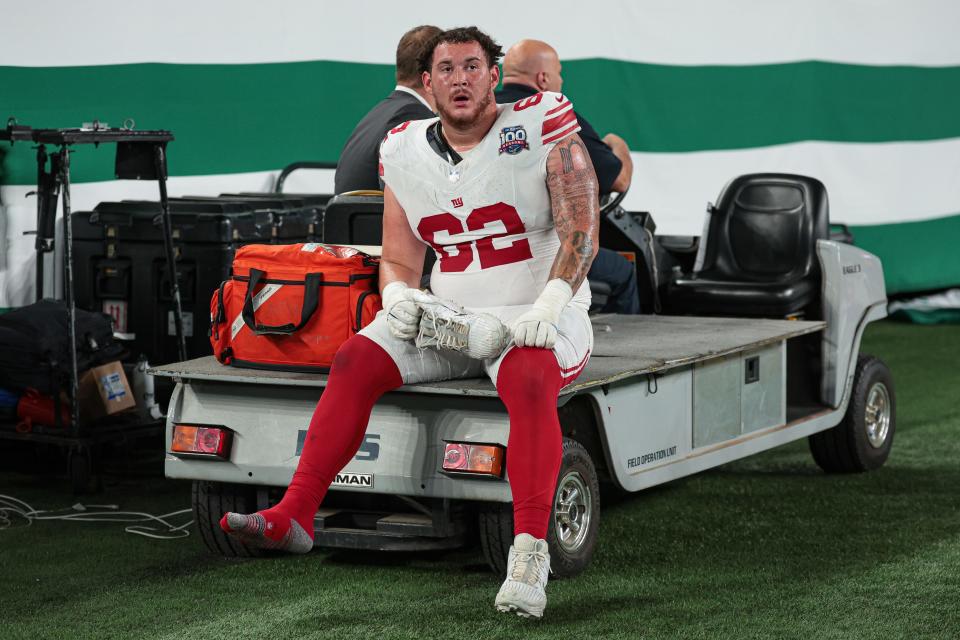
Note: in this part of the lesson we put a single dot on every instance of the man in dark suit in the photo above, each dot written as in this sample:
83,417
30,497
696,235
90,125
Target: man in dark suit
532,66
358,164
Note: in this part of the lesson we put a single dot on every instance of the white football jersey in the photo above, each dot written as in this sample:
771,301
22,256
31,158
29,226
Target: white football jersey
488,218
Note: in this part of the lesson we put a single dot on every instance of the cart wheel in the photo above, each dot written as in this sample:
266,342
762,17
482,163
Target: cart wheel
495,522
863,439
210,501
80,469
574,520
576,512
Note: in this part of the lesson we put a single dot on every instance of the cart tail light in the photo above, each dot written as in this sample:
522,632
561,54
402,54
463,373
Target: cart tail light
482,459
201,440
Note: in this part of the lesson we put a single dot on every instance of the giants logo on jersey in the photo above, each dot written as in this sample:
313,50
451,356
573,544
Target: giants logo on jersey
513,140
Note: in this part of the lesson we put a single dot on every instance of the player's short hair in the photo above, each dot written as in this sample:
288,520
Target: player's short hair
409,50
461,35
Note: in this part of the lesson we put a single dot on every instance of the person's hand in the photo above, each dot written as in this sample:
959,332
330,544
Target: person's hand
538,326
403,314
614,141
535,328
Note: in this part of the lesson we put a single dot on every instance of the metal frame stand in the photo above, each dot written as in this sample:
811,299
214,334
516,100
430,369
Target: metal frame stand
140,155
160,160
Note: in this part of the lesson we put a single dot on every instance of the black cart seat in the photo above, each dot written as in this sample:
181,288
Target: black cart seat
758,257
354,218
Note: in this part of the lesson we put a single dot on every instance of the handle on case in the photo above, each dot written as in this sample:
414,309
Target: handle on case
311,300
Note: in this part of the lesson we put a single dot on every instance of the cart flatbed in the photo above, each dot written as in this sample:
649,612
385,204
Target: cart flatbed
624,347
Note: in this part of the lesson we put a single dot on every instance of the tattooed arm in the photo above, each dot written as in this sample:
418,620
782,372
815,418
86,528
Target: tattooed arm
576,214
576,210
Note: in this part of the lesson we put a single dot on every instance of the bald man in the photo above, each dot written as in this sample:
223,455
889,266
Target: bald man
532,66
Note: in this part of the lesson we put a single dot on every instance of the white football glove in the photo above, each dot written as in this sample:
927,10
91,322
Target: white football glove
538,327
403,314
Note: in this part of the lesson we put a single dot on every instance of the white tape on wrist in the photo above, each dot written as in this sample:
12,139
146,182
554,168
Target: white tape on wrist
554,297
393,293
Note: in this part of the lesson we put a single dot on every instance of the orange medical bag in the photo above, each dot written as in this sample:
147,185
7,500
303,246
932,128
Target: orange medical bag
290,307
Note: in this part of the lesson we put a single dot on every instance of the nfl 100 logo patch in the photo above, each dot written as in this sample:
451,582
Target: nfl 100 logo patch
513,140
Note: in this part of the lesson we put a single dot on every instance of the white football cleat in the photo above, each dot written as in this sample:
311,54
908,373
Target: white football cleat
524,590
445,325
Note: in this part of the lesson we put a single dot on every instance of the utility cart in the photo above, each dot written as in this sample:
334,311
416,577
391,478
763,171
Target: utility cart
662,397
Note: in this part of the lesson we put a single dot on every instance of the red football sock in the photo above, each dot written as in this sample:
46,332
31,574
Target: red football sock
361,372
529,382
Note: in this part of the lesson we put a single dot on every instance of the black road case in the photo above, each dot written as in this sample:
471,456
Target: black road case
120,269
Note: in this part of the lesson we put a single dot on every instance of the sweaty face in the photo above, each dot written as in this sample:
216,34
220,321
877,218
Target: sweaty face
461,82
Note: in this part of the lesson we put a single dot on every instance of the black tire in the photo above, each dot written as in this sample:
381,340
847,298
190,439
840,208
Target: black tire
568,555
495,522
847,447
210,501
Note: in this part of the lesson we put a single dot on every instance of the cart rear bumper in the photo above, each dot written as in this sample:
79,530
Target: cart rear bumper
401,454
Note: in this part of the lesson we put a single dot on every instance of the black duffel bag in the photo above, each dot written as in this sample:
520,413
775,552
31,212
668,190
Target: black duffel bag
35,345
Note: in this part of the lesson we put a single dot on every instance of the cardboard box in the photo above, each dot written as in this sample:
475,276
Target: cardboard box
104,391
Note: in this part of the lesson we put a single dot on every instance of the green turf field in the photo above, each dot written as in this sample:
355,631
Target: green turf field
768,547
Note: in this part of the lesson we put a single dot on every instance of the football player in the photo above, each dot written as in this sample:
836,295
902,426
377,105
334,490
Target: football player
507,198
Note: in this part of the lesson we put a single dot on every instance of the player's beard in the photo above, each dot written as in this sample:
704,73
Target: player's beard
465,122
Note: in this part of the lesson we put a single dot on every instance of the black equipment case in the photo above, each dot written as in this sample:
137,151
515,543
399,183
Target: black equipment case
120,267
287,220
311,208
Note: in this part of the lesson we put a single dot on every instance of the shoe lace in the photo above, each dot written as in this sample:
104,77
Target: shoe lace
447,332
521,566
